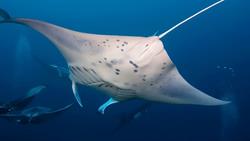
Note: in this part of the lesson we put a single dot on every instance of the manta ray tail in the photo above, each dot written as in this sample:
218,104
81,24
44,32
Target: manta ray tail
189,18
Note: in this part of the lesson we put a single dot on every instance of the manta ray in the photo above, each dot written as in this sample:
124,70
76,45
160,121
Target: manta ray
129,117
123,67
35,115
21,103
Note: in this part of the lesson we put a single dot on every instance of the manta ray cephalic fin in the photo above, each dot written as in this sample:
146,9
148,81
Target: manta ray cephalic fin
102,108
76,94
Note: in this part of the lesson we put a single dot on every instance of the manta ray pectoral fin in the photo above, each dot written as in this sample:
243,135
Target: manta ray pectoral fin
178,91
76,94
102,108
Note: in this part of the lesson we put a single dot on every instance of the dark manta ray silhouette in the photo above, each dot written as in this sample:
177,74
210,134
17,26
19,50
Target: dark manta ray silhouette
127,118
124,67
34,115
20,103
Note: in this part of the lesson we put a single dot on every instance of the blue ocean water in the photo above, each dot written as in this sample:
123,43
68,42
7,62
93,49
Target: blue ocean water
205,50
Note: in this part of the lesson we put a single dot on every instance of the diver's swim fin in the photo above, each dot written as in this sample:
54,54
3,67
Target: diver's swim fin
102,108
76,94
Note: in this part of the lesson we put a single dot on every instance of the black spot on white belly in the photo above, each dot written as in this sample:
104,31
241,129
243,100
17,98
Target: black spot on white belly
109,65
134,64
114,62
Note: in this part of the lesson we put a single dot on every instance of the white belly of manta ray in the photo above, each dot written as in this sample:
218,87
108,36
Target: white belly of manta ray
124,67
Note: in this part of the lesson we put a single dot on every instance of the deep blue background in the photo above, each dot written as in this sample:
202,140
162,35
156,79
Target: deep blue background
220,36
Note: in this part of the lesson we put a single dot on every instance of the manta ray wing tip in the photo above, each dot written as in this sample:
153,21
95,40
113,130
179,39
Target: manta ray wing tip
216,102
224,102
